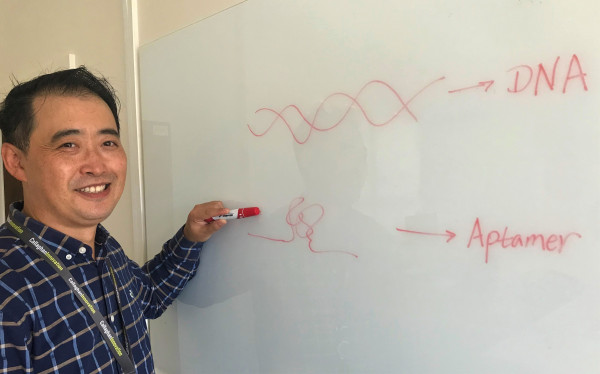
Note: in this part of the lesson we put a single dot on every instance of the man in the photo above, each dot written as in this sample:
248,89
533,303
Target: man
61,140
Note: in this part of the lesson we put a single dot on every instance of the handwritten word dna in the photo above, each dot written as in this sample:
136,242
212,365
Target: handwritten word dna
523,75
303,227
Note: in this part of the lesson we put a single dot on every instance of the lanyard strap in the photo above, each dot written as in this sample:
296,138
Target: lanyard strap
107,333
116,286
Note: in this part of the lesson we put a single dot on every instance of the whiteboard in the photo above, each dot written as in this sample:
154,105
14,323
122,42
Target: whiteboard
428,178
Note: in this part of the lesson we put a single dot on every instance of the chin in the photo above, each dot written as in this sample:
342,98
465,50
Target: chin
96,216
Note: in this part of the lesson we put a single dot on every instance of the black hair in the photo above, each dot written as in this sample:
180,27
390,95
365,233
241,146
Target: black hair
16,111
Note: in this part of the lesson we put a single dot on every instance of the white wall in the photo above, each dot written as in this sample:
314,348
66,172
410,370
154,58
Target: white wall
158,18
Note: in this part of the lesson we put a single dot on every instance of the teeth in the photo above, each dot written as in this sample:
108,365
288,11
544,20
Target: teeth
94,189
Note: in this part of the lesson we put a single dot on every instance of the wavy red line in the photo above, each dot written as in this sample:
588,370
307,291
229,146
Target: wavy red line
353,101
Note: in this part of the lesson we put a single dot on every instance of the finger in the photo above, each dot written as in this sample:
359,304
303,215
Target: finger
201,212
215,226
201,232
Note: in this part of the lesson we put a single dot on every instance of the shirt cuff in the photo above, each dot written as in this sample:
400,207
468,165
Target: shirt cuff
179,241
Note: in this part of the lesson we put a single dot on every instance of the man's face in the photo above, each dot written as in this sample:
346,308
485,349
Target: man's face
75,166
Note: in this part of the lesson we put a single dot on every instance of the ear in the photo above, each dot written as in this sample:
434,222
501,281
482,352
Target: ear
12,158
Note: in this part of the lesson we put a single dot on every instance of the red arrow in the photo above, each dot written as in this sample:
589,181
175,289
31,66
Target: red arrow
449,234
486,84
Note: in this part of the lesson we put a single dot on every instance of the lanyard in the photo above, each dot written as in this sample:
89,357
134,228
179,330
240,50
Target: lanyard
116,287
107,333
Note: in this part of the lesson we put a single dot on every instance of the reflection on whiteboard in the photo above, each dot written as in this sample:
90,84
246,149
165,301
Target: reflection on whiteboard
427,174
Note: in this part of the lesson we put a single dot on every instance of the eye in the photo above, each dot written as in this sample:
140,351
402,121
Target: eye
110,143
67,145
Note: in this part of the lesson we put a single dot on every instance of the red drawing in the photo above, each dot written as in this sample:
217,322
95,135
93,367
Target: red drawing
486,84
352,101
302,221
574,71
449,234
551,243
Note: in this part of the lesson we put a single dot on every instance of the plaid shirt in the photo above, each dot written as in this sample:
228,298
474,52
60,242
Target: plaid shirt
43,326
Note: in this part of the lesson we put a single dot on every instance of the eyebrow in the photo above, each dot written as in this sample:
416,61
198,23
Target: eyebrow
110,132
64,133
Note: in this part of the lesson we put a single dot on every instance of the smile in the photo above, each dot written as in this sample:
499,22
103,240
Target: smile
93,189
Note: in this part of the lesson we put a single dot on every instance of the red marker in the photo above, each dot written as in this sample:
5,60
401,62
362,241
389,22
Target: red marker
236,214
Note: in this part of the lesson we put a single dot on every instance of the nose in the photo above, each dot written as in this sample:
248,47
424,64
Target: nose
93,162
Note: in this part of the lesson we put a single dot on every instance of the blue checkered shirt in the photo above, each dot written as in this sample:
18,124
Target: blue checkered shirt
43,326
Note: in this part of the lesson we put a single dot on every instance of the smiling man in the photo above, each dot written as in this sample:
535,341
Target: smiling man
70,299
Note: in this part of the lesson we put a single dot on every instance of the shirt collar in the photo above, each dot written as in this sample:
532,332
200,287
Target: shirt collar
54,237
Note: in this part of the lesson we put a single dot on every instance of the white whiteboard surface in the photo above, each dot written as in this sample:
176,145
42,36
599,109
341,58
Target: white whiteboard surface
428,178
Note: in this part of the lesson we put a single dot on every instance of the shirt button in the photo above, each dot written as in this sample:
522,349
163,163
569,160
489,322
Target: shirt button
68,257
112,318
82,250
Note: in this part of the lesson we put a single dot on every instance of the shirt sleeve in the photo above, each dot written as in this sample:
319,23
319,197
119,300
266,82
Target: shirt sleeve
165,276
15,338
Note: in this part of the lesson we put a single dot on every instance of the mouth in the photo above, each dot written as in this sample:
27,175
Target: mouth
94,189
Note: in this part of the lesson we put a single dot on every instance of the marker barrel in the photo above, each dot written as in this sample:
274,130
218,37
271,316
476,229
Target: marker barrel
236,214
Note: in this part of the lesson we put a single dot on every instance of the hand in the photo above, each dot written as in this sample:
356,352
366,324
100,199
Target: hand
196,230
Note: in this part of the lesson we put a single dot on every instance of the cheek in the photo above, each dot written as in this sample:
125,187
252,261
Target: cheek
54,173
120,165
51,183
124,163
